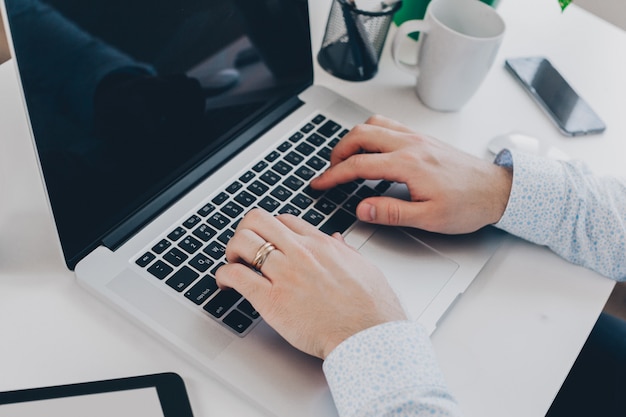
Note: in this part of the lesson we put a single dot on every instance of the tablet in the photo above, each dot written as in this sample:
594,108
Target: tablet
156,395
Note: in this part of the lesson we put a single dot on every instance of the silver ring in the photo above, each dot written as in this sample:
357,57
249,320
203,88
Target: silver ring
261,255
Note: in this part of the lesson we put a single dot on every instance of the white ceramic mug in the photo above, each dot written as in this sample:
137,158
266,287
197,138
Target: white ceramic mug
458,42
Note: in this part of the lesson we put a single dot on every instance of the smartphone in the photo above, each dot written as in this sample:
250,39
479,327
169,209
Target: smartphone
572,115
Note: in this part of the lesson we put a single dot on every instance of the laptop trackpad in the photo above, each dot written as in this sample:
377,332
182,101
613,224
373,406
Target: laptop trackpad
415,271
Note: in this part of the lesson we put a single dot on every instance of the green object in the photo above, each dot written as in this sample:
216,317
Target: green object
564,3
410,10
416,9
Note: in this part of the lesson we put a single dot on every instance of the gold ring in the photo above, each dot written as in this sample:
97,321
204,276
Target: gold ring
261,255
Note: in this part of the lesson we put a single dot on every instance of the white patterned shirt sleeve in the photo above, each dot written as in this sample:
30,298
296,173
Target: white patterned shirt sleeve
388,370
563,205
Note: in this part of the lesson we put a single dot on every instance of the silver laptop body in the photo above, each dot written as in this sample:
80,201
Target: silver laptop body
240,79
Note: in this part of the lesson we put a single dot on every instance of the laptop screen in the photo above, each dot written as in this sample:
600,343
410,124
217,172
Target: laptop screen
127,96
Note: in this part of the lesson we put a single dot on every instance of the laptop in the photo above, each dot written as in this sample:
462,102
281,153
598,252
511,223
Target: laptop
158,124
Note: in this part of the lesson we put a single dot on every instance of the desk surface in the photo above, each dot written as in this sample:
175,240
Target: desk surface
506,346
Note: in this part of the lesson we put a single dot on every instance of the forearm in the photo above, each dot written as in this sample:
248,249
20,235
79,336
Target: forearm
562,205
388,370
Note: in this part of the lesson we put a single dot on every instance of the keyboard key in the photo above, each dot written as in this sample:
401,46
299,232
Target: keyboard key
289,209
176,234
336,195
224,300
338,222
191,222
294,158
145,259
293,183
325,206
312,192
365,192
237,321
329,128
352,203
204,232
284,146
282,168
160,269
305,173
232,209
269,204
160,247
190,244
247,176
232,188
318,119
216,267
260,166
301,201
258,188
313,217
316,163
296,137
247,308
281,193
382,186
206,209
220,198
270,177
219,221
182,278
307,128
245,198
214,250
202,290
201,262
315,139
226,236
305,149
324,153
272,156
348,187
175,256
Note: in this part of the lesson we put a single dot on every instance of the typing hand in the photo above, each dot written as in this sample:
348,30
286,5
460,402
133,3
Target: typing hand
450,191
313,289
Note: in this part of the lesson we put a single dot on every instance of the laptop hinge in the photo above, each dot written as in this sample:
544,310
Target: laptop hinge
131,225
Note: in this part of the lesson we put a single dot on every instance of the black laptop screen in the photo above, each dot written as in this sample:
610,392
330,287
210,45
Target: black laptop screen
126,96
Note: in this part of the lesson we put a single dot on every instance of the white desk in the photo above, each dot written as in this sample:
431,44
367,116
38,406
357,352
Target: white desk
506,346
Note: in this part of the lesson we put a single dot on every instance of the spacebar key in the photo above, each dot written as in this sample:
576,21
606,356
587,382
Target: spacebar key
338,222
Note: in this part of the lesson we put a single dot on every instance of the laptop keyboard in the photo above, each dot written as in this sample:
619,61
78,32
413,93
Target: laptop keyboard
187,256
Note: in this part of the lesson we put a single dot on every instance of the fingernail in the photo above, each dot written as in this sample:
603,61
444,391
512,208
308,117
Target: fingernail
368,212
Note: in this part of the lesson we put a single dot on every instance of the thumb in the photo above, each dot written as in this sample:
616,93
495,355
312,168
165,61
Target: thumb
389,211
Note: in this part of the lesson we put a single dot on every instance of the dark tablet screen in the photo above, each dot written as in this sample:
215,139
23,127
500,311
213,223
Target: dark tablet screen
157,395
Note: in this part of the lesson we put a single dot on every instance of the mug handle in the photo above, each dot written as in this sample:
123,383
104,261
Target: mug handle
402,33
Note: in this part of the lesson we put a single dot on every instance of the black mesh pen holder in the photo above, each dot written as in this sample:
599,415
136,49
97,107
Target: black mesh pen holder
354,40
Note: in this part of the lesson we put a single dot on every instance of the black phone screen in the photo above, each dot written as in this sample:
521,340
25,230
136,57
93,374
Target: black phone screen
546,85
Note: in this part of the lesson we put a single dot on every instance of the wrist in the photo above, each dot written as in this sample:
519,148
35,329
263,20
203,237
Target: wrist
501,191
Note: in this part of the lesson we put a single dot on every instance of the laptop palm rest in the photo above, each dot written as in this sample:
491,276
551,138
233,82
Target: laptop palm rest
416,272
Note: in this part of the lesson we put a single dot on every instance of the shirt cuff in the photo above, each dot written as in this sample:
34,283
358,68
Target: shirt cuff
535,203
386,369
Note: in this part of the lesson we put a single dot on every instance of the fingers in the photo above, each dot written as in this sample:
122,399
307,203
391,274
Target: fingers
247,246
391,211
369,138
267,227
254,287
367,151
386,122
369,166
